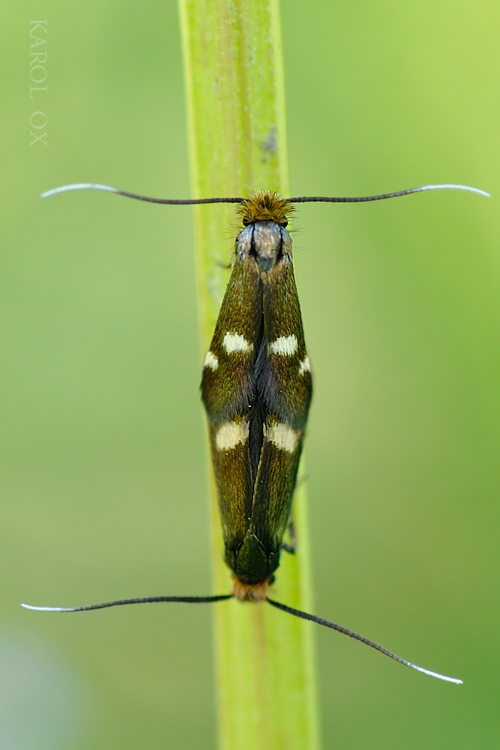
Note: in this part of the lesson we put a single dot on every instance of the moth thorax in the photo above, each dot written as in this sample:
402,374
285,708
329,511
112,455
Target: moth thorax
267,243
250,592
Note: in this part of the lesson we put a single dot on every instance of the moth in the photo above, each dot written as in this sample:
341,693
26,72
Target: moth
256,388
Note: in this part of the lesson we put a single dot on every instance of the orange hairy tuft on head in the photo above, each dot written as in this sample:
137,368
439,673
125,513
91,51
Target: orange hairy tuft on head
250,592
264,205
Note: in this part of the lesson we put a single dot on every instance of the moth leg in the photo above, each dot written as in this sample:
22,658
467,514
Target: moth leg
292,547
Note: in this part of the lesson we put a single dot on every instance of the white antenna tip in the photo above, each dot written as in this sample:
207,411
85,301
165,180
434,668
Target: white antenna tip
450,186
455,680
78,186
45,609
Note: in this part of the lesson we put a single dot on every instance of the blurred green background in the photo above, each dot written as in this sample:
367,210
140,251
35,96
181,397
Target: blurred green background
103,474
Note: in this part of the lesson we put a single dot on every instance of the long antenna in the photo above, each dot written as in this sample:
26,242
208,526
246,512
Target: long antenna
352,634
303,199
108,189
146,600
383,196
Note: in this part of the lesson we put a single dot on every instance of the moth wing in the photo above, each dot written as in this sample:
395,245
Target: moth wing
227,389
284,378
227,384
275,484
285,375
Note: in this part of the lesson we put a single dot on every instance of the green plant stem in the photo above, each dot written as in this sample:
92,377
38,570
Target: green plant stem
237,136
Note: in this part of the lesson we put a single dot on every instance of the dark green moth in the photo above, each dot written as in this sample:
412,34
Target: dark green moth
256,388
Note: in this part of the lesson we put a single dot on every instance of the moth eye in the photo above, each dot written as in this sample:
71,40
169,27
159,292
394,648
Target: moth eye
284,223
246,222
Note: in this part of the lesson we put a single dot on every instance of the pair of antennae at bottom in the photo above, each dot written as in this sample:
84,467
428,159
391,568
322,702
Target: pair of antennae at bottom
222,597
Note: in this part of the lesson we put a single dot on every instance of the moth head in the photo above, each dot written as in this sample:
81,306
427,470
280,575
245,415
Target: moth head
265,205
251,592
